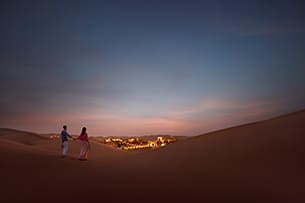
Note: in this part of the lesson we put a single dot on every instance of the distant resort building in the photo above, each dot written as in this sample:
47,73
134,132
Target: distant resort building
138,143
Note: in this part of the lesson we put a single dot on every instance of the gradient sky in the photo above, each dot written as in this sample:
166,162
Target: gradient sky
149,67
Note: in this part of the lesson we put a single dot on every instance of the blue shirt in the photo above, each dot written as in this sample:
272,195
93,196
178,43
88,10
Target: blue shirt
64,136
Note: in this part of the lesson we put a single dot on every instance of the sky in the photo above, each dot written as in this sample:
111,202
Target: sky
133,68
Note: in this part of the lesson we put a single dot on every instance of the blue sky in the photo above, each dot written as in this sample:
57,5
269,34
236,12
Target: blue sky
149,67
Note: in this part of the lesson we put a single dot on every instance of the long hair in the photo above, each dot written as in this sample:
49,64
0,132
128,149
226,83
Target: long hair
83,131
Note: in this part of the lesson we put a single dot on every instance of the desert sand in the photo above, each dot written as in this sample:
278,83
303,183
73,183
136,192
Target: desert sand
257,162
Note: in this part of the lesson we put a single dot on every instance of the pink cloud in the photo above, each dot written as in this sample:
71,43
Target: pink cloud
221,104
205,116
233,112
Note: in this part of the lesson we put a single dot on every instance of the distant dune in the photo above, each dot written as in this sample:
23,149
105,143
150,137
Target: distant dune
257,162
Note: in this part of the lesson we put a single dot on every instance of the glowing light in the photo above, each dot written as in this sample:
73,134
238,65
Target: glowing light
133,143
54,136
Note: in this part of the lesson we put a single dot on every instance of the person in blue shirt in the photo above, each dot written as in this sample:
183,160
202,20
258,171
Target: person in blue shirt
64,139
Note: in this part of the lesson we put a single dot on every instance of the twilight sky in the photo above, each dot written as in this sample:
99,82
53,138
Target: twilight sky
149,67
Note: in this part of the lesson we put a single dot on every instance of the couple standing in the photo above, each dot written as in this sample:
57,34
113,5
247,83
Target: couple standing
83,137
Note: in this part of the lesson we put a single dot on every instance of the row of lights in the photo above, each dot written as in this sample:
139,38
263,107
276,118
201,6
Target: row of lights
129,143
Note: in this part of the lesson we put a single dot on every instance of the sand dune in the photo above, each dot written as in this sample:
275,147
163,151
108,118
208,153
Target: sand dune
27,138
258,162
